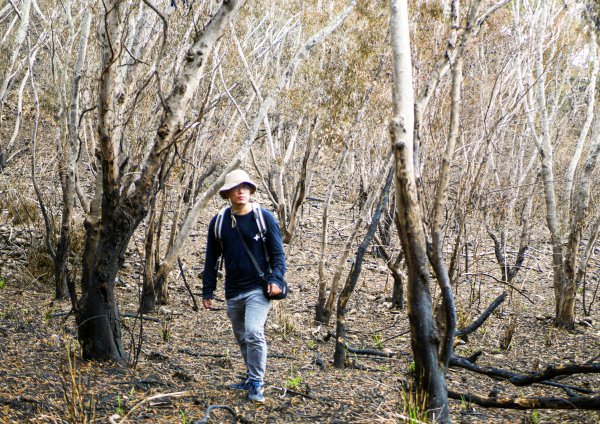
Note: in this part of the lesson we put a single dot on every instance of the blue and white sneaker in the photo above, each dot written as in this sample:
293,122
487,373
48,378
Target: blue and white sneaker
244,385
256,391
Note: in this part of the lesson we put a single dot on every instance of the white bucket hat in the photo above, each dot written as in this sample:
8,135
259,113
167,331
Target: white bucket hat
234,179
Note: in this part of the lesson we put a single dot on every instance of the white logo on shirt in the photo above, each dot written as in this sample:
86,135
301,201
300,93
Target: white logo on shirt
257,237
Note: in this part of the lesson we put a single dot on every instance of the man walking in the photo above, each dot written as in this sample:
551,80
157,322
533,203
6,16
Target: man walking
247,305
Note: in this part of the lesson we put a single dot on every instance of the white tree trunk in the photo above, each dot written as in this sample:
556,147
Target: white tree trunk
430,382
18,42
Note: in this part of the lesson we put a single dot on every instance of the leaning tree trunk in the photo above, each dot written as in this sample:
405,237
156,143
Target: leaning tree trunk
320,315
303,186
430,383
339,355
579,200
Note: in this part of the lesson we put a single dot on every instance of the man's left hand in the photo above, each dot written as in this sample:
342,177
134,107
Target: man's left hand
273,289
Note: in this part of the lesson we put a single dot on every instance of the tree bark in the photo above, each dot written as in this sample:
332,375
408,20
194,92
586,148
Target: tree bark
148,300
555,371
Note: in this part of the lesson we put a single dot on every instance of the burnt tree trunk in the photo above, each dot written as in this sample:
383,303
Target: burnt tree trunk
98,319
398,287
429,378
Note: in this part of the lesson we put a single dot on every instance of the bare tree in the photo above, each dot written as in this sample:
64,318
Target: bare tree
10,76
114,214
339,355
432,345
541,109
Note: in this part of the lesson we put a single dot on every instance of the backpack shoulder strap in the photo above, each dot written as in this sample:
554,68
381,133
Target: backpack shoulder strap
260,220
219,222
262,229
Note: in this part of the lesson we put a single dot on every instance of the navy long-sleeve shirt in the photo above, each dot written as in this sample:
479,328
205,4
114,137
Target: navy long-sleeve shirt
240,273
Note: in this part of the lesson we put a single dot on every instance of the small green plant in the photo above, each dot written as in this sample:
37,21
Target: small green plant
294,381
2,283
132,391
415,407
226,362
378,339
183,417
535,416
119,410
311,344
412,367
465,404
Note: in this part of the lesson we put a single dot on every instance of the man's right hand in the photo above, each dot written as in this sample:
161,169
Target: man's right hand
207,303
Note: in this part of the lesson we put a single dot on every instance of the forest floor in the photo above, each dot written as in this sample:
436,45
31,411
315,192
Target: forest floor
188,358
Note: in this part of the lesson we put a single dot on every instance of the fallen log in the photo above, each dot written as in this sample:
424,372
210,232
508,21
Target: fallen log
369,352
579,402
554,371
142,317
501,374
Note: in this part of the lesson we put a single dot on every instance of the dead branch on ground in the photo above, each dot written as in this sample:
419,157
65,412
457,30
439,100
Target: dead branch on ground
498,373
554,371
579,402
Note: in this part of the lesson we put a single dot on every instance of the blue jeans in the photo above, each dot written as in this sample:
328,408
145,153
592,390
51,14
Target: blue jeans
248,314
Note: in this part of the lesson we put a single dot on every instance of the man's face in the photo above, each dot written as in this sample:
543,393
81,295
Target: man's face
239,195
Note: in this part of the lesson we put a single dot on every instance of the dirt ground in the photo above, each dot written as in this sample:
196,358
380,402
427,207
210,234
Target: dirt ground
188,357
